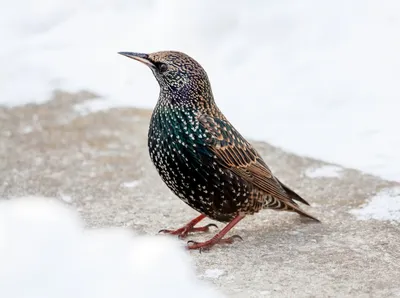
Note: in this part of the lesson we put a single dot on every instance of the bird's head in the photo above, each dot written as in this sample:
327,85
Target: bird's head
176,72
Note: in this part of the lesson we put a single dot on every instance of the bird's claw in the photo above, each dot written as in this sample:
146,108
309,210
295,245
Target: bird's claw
209,226
236,237
165,231
203,246
184,231
191,245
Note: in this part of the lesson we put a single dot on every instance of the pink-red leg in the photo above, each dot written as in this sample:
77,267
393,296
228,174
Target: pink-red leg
189,228
218,238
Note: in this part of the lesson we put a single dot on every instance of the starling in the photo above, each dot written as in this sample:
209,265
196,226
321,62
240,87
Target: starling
201,157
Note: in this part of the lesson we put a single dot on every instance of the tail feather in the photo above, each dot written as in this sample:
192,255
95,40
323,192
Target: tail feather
305,214
292,194
286,203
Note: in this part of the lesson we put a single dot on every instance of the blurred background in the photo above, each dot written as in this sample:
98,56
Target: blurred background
317,78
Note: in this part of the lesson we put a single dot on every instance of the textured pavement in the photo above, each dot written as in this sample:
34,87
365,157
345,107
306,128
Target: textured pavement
99,163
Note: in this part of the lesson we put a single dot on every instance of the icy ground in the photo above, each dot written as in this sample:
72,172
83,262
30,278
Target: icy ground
318,78
383,206
45,252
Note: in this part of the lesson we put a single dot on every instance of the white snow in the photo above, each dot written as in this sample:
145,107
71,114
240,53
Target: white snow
93,105
384,206
66,198
26,129
45,252
319,78
213,273
131,184
327,171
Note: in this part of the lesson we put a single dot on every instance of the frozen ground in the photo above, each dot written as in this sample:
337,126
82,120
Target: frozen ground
98,164
318,78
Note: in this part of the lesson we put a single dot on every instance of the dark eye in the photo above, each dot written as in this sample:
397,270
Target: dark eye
162,67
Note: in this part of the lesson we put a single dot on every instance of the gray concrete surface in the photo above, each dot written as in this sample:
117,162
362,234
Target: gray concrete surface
52,150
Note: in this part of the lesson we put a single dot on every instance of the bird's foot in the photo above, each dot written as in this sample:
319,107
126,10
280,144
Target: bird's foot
189,228
218,238
184,231
206,245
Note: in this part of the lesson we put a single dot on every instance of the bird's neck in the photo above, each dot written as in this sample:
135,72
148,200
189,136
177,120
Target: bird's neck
194,100
174,115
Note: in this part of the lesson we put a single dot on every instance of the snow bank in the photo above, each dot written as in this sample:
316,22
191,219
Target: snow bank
45,252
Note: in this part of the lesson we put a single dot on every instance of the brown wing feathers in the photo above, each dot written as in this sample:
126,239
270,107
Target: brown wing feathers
232,151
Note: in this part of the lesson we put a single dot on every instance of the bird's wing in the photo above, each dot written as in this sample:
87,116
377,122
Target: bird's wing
233,152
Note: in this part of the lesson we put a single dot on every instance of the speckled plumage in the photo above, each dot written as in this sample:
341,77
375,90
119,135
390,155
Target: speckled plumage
201,157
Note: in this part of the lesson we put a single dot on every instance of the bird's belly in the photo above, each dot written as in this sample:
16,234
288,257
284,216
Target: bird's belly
201,183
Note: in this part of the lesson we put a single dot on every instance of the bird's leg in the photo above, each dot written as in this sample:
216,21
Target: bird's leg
189,227
218,238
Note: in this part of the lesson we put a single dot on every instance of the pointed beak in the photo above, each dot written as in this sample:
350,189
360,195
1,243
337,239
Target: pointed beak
144,58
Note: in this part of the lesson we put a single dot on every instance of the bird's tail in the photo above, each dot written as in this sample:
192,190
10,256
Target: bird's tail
295,197
305,214
292,194
286,203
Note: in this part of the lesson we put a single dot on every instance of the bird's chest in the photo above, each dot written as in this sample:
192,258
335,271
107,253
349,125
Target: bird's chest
179,151
174,146
172,161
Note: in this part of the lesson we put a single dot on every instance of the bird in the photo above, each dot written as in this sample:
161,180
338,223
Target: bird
200,155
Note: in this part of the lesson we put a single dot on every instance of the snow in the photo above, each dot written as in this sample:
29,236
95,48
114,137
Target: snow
384,206
66,198
45,252
318,78
93,105
213,273
131,184
27,129
327,171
